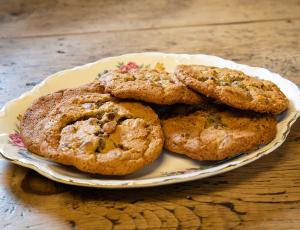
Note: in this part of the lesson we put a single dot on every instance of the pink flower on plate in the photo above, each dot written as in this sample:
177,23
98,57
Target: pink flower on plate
16,139
130,65
124,69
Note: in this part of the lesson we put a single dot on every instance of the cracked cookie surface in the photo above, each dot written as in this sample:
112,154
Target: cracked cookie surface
215,133
233,88
98,134
150,85
31,126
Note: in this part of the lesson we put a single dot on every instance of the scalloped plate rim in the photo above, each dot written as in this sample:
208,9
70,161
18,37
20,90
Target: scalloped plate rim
162,180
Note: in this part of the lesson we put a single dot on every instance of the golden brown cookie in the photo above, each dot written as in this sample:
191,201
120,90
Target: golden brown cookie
40,108
233,88
149,85
97,134
212,133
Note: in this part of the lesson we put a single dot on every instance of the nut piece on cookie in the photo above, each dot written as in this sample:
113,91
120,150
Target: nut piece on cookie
212,133
154,85
233,88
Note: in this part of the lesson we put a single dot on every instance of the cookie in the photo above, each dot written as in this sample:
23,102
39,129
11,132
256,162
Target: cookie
30,125
233,88
150,85
97,134
213,133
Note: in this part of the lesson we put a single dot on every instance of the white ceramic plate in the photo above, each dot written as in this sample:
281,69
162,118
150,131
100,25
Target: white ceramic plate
169,168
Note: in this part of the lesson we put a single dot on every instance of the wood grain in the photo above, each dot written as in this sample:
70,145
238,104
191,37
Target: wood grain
270,45
43,18
258,196
38,38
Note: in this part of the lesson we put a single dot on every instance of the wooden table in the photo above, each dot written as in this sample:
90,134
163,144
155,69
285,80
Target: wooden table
39,37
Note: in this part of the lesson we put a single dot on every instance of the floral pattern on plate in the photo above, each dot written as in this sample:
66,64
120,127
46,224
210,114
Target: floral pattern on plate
169,168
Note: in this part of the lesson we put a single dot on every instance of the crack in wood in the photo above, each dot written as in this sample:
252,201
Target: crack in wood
271,202
231,207
272,193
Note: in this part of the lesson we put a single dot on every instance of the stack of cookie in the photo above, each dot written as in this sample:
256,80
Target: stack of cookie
111,126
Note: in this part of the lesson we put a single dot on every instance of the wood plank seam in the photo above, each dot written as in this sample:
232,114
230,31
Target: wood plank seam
152,28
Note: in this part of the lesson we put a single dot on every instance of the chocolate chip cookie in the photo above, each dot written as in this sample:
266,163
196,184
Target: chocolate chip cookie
233,88
154,85
31,123
98,134
215,133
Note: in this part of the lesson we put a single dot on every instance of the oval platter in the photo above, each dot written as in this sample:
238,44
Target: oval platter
169,168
